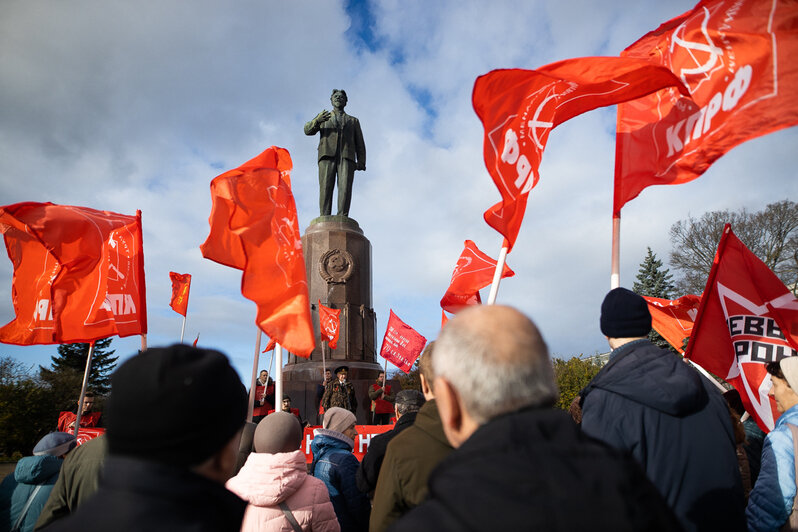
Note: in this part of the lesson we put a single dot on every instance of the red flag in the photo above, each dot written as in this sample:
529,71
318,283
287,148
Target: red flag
329,322
518,109
271,345
673,320
473,272
196,340
402,344
746,319
78,274
444,318
737,58
181,285
254,227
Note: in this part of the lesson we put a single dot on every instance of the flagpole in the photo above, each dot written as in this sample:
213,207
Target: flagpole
497,275
256,358
183,330
615,276
278,381
706,374
143,342
83,387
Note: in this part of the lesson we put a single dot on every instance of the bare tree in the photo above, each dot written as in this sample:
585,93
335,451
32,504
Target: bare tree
771,234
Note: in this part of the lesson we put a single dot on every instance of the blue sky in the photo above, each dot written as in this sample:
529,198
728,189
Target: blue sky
125,106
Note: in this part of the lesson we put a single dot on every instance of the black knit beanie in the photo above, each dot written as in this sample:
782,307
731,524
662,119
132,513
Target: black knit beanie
624,314
177,405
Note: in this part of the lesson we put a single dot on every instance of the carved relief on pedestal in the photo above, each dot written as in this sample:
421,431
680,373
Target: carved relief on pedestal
336,266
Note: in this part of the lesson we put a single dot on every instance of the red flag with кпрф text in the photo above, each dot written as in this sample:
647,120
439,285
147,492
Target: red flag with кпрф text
673,319
473,272
746,319
401,345
329,322
78,274
181,285
737,57
255,228
518,109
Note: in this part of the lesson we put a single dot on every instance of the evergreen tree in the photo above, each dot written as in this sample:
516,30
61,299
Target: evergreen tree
654,281
71,362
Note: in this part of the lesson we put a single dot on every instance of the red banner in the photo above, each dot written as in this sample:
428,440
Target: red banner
329,322
737,59
254,227
473,272
519,108
746,319
401,345
78,274
673,319
362,440
181,285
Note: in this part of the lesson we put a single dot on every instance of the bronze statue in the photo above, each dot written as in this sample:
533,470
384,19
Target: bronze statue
341,152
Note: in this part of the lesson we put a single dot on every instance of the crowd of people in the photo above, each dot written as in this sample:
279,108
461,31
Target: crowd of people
649,444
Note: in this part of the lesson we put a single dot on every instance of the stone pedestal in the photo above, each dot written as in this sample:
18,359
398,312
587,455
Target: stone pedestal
338,265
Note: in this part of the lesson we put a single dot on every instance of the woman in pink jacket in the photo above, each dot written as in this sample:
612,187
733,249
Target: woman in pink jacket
275,483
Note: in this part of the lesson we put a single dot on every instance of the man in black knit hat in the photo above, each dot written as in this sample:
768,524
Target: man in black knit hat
676,424
174,420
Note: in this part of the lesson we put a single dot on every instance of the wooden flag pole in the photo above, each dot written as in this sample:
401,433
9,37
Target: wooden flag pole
183,330
497,275
615,276
252,387
143,342
83,387
278,381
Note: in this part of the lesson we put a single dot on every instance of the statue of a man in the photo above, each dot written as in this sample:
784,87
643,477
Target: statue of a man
341,152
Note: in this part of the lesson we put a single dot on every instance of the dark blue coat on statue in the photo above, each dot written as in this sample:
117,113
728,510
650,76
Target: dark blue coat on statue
676,424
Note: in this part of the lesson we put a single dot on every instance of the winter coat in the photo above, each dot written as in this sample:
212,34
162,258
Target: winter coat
335,465
411,457
676,424
31,472
79,478
340,395
369,470
770,502
139,495
534,470
266,480
381,399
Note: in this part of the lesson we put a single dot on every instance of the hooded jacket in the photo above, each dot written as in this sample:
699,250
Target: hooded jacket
648,401
336,466
31,471
771,500
266,480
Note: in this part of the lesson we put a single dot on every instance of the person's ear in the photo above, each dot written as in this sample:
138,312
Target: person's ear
450,410
426,389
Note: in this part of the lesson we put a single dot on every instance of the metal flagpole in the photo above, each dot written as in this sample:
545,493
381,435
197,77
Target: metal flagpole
183,330
278,381
615,276
252,388
497,275
83,388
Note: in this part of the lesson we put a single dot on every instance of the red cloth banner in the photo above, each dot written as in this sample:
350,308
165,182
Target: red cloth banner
473,272
444,318
66,421
78,274
364,435
519,108
181,285
254,227
673,319
737,59
329,322
746,319
401,345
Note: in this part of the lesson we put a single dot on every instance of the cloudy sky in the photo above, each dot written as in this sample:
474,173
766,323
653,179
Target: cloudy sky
138,105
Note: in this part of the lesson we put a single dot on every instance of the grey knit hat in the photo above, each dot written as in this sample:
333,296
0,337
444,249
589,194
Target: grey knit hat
279,432
338,419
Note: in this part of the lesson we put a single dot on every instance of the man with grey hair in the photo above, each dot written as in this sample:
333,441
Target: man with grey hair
518,464
406,406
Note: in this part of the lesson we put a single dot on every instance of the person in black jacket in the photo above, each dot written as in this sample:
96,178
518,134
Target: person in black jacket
174,421
407,404
519,464
676,424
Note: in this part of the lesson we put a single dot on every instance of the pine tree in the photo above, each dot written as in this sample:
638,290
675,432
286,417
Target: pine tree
71,362
654,281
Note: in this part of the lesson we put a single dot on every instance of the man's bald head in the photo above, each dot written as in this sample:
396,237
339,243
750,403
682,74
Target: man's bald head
496,359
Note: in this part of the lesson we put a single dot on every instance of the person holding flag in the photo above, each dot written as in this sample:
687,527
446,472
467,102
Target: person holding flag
770,505
381,401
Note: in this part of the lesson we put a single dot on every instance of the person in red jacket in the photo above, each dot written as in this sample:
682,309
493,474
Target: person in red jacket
264,396
381,401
